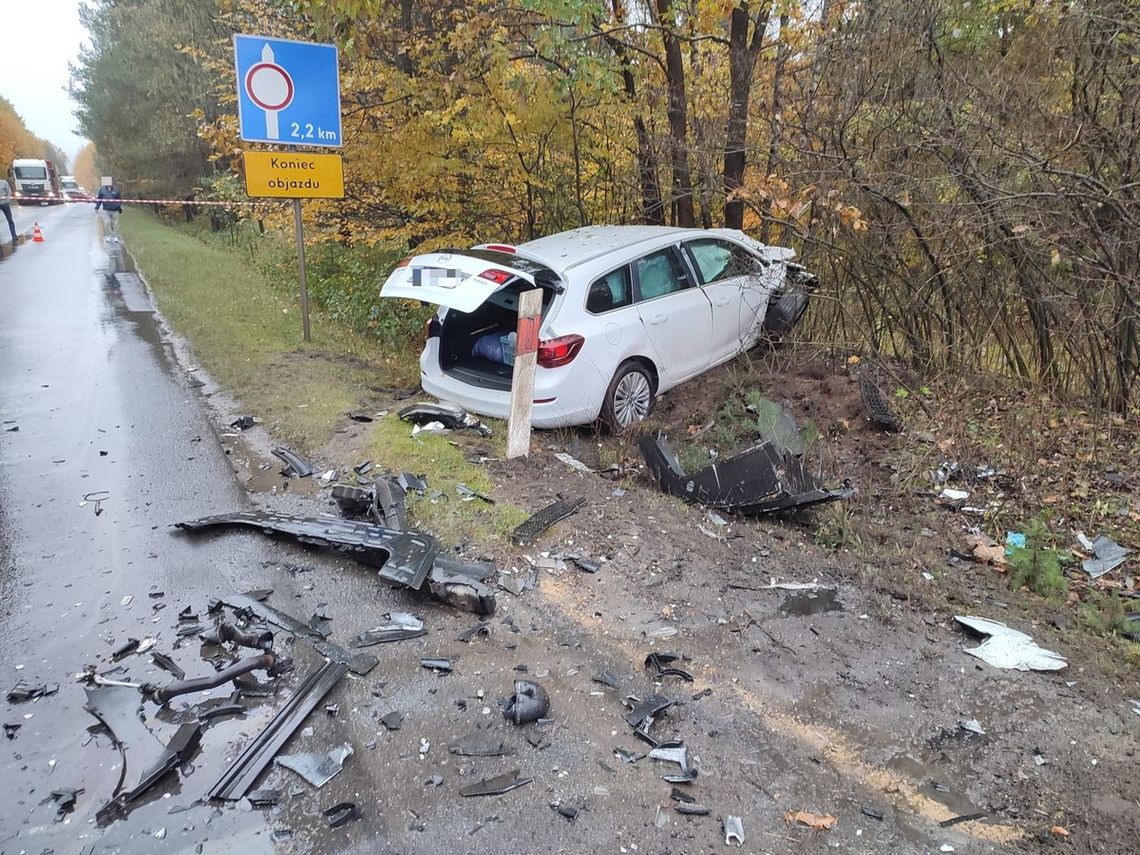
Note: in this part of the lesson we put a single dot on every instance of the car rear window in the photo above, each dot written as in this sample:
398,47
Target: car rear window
612,291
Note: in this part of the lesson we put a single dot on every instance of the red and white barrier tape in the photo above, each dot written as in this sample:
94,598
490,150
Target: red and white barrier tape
175,201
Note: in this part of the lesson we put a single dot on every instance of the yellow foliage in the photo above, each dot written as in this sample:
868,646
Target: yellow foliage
15,138
86,169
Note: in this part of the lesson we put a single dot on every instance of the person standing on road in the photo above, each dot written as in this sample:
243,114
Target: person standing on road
108,198
6,207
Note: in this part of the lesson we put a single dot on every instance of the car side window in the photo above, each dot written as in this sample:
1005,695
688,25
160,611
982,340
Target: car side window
659,273
612,291
719,259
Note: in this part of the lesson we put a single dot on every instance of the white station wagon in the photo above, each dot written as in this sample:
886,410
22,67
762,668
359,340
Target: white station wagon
628,312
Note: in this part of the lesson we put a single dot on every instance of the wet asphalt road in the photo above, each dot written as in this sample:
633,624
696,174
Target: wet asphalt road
99,407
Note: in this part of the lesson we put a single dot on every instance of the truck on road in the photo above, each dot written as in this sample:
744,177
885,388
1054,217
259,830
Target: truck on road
35,181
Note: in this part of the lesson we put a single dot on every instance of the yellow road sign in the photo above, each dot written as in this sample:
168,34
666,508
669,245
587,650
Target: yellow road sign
293,175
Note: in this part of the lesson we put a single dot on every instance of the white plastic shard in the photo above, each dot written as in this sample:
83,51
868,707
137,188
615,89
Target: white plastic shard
1109,555
1009,648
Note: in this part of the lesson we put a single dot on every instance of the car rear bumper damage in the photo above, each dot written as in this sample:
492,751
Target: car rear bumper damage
555,405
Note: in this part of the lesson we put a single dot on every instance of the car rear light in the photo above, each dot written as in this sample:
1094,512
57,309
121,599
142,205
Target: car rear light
559,351
404,262
499,277
431,328
501,247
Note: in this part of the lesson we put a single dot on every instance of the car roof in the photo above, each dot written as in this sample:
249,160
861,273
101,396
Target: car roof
564,250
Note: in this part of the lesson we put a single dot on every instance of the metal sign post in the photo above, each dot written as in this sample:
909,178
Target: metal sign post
293,175
288,93
301,268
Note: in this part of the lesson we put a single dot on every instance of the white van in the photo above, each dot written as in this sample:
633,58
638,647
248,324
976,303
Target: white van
68,186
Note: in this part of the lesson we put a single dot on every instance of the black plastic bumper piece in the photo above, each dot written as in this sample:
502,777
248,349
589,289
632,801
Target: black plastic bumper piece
545,518
117,707
295,465
760,480
399,556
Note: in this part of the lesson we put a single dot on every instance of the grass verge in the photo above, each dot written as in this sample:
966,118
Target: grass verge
450,519
245,329
246,332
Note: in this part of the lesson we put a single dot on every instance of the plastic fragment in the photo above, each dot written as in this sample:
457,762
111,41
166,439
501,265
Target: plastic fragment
341,814
733,831
1008,648
529,703
317,769
496,786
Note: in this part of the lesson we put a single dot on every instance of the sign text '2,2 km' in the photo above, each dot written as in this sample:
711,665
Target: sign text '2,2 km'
288,92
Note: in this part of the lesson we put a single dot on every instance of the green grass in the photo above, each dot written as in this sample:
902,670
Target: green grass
452,520
246,331
693,457
245,328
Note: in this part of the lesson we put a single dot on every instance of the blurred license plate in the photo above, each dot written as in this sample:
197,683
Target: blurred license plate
437,277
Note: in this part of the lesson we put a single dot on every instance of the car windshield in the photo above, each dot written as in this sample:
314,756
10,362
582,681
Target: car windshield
30,172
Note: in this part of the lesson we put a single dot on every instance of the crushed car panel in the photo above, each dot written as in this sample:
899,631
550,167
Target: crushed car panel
358,663
402,557
145,759
759,480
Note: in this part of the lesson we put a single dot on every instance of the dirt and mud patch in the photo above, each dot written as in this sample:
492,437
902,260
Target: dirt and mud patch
886,675
849,701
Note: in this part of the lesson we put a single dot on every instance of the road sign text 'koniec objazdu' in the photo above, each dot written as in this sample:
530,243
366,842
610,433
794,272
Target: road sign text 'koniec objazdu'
293,175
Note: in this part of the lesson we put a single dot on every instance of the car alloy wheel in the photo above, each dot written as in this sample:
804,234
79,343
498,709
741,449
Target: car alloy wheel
632,398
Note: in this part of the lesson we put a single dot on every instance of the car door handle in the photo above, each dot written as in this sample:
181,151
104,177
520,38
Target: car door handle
723,301
657,319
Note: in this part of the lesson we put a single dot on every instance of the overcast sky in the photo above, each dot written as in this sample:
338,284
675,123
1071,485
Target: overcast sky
40,38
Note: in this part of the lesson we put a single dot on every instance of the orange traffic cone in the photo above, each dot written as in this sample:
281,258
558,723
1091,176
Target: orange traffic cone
37,235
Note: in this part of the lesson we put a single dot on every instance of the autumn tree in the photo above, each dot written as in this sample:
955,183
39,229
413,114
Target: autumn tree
989,152
86,168
962,175
138,85
17,141
15,138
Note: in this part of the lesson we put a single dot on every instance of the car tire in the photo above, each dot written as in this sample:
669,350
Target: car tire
629,397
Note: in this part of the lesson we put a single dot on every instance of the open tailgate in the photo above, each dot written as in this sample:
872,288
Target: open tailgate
457,281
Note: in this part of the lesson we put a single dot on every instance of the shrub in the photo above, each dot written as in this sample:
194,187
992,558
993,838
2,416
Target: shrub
345,282
1037,565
